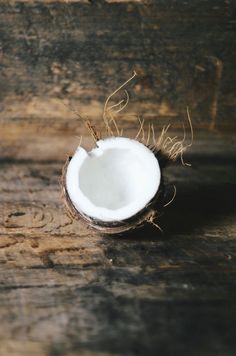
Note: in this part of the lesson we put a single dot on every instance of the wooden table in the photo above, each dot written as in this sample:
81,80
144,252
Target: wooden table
65,290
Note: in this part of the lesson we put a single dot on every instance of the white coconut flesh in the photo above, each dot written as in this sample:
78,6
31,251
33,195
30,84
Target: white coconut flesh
114,181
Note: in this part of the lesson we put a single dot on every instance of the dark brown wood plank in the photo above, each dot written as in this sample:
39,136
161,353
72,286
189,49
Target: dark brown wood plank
75,53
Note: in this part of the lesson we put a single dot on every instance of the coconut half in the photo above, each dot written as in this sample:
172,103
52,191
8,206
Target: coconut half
114,186
118,185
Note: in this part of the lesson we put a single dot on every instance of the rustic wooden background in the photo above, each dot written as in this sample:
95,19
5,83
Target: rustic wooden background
65,290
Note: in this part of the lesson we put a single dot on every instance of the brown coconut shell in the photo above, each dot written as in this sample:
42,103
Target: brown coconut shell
148,214
166,150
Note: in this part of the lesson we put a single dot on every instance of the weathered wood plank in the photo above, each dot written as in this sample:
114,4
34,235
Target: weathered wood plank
77,54
36,141
67,291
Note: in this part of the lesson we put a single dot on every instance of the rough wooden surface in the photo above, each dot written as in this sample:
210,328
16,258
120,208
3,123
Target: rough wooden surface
67,291
77,52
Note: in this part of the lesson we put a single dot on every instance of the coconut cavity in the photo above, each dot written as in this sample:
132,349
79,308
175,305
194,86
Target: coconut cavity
114,181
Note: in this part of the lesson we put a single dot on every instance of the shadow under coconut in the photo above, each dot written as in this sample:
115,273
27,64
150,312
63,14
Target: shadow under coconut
198,208
204,199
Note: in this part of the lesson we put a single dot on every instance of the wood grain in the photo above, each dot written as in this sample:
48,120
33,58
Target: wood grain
64,53
65,290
